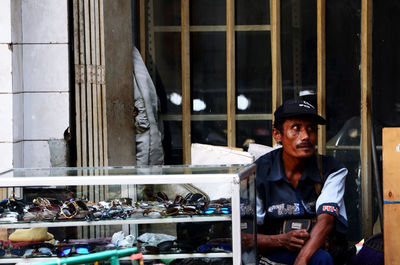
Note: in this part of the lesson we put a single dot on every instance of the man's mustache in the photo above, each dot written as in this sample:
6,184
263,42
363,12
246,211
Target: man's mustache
304,145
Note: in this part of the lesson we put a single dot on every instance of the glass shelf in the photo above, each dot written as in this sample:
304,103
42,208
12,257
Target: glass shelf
142,220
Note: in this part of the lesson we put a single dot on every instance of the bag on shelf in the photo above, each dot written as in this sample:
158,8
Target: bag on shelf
33,234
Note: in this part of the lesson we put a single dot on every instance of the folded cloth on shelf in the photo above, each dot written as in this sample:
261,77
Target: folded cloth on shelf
154,239
120,240
31,234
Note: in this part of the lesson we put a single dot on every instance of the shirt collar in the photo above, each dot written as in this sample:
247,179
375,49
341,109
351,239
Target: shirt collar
277,171
312,170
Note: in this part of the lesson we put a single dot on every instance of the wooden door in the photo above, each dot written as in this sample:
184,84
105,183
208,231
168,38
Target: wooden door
391,194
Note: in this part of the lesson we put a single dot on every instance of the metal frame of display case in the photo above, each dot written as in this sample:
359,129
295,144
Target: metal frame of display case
40,178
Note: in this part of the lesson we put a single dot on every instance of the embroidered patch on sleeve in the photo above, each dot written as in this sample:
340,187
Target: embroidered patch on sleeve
330,209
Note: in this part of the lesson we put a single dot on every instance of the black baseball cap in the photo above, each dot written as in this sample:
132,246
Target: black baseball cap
294,108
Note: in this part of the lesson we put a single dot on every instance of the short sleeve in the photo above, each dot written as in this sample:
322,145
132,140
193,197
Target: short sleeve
331,199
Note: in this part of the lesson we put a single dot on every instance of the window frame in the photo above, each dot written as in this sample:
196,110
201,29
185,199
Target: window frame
275,29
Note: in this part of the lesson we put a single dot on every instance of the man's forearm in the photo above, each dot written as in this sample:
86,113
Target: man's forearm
318,236
268,242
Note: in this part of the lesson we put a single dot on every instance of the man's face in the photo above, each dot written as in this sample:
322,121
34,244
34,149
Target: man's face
298,137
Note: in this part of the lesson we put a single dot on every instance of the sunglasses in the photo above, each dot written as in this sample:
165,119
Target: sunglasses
47,202
42,249
218,210
73,209
179,200
162,197
172,210
113,214
66,250
13,205
180,210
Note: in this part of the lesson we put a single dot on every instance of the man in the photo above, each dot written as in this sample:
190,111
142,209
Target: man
296,188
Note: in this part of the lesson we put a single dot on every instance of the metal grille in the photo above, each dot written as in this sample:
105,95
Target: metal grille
90,87
90,98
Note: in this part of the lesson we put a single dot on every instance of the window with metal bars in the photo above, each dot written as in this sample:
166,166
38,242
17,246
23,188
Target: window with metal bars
211,65
221,67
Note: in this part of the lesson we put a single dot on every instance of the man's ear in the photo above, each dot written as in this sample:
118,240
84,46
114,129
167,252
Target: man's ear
277,135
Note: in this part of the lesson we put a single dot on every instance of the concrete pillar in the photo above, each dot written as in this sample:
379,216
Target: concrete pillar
6,93
34,82
42,83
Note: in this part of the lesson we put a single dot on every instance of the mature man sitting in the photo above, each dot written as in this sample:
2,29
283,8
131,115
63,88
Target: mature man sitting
299,193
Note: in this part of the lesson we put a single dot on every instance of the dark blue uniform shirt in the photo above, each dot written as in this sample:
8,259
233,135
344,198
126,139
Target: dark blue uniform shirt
278,200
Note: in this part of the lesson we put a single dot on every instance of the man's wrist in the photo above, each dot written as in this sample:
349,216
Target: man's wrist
272,241
278,240
301,260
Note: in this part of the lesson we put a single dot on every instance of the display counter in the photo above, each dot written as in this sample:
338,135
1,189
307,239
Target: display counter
183,213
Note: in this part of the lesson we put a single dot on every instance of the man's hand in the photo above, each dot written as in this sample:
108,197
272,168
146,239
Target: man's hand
295,239
292,241
319,233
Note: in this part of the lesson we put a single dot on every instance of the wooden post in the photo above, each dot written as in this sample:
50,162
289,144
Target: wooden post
103,83
230,72
118,61
321,68
366,95
99,83
186,109
89,83
93,63
276,55
82,90
142,29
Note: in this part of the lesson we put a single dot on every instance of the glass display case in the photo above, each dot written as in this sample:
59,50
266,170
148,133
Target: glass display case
175,213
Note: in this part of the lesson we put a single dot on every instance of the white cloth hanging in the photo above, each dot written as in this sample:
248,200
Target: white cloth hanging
149,150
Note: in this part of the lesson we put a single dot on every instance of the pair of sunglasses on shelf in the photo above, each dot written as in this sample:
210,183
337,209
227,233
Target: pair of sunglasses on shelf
189,199
218,209
174,210
12,204
73,209
70,249
46,249
33,250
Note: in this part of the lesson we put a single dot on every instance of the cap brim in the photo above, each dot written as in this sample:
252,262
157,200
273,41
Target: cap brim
320,120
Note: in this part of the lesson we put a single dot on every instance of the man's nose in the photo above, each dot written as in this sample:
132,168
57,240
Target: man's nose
304,134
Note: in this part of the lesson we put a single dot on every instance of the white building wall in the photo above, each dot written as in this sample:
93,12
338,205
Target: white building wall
34,82
6,95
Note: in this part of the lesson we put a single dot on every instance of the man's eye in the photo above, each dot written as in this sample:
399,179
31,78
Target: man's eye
296,127
312,129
